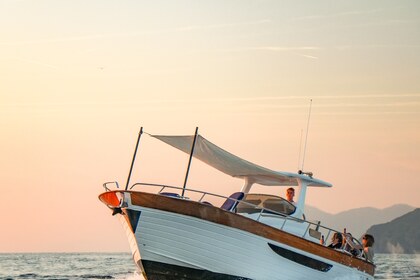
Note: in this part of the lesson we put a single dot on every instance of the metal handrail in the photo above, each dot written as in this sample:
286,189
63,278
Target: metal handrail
107,183
273,213
215,195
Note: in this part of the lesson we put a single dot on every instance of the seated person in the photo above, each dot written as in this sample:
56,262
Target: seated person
337,241
348,244
367,241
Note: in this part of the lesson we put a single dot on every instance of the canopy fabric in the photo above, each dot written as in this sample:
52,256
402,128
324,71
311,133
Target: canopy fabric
235,166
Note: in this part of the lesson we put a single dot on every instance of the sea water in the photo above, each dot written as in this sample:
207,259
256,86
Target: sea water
85,266
67,266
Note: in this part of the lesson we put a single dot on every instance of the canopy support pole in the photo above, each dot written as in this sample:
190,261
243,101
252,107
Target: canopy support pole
189,162
247,185
300,204
134,157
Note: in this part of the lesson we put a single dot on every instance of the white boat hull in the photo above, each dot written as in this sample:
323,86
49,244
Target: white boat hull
170,245
183,244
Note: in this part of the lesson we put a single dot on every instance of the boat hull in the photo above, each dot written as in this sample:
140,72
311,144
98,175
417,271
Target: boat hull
163,271
171,245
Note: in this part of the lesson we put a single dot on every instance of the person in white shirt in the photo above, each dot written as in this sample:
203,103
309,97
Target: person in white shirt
367,241
290,194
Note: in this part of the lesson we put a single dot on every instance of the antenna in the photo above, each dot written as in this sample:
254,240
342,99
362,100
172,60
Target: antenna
300,147
307,130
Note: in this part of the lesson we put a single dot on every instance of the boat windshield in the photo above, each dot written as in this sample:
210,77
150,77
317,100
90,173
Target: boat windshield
267,201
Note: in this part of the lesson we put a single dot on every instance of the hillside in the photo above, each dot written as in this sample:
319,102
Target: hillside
357,221
400,235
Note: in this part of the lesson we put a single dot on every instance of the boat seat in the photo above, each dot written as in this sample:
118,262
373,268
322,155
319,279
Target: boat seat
232,201
170,194
314,233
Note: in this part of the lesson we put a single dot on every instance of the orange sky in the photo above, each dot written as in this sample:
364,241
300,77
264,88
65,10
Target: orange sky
79,78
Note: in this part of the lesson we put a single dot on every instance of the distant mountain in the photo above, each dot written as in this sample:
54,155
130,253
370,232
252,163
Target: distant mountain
357,221
401,235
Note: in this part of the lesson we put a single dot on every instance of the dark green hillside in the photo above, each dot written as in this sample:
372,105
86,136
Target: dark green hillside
401,235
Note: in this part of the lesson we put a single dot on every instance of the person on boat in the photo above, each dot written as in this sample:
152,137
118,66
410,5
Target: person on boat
367,241
290,194
347,238
348,244
336,241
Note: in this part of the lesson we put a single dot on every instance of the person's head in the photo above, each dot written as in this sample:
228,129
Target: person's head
290,193
368,240
337,238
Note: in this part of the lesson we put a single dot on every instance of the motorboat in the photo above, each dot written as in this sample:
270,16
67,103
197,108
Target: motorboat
180,232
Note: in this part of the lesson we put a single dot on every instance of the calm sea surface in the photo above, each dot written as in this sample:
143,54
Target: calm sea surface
83,266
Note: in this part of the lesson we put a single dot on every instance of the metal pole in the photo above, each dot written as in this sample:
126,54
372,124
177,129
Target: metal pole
189,162
134,158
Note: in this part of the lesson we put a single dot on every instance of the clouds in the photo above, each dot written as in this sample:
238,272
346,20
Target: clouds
35,62
141,32
335,15
369,104
219,26
386,100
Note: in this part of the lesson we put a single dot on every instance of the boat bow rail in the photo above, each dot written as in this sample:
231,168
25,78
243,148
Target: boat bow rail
309,230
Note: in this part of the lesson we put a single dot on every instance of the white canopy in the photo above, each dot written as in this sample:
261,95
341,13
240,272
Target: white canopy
235,166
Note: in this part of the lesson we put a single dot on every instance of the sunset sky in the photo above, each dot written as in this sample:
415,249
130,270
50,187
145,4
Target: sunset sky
79,78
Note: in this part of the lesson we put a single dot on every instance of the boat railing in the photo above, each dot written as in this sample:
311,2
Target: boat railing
352,245
105,185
